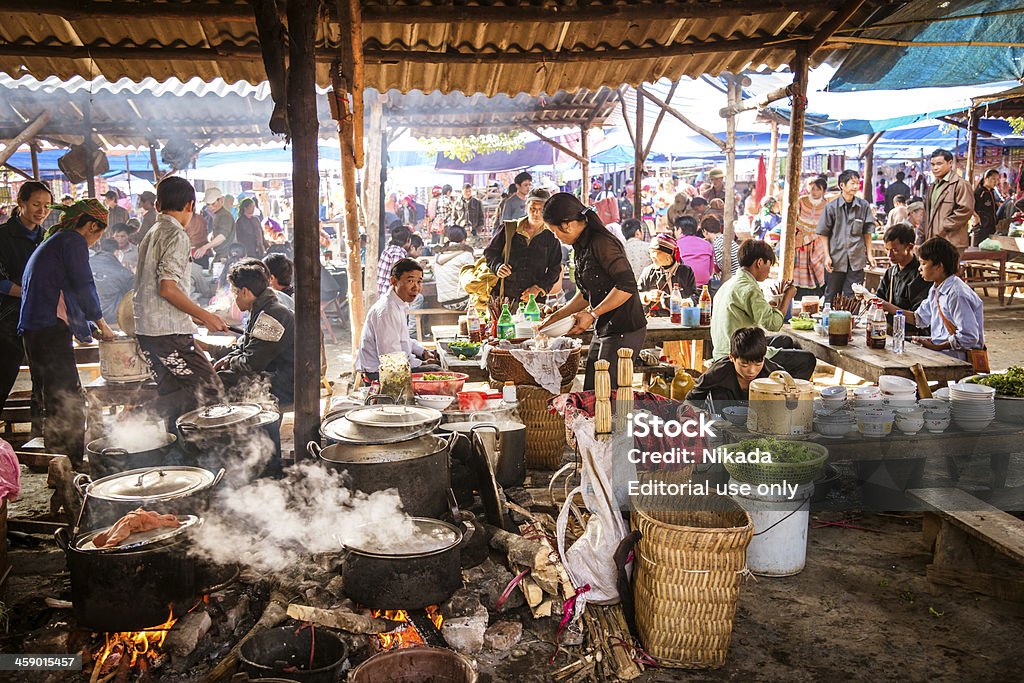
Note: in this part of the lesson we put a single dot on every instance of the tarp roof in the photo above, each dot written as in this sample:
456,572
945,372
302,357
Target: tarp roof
914,59
493,46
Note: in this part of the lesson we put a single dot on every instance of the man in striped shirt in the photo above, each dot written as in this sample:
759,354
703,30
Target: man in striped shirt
398,249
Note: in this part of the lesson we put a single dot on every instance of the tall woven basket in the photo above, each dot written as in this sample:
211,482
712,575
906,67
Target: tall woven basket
690,564
545,430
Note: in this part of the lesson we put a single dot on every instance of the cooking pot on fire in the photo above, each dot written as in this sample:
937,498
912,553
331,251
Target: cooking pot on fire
134,587
379,424
424,569
168,490
221,435
106,457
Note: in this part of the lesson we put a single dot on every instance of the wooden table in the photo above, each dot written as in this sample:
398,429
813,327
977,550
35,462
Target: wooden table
871,364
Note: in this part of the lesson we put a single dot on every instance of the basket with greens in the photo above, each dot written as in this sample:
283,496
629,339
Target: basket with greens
793,462
1009,384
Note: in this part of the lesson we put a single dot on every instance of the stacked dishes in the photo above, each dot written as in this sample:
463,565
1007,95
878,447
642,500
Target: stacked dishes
973,406
898,392
936,413
834,424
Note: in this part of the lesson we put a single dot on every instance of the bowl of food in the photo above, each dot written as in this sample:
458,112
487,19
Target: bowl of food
462,348
438,383
434,401
558,328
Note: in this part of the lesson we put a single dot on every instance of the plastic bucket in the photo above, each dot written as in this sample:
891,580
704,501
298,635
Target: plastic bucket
779,545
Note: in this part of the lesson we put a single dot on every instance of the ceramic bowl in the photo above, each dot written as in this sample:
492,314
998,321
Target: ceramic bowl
434,401
895,384
867,393
910,425
834,394
833,430
935,425
936,404
874,423
557,329
735,414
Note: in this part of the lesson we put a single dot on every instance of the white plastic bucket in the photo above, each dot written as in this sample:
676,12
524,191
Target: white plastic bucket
779,546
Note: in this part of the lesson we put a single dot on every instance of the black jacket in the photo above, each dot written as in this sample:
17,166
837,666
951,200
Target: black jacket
720,382
601,265
469,214
537,263
15,249
267,347
654,278
895,188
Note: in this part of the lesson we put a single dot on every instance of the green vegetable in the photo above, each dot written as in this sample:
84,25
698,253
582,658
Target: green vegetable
435,377
781,451
801,323
1009,383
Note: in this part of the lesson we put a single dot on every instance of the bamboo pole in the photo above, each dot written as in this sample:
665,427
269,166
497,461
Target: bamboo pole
357,78
729,229
30,131
773,156
372,184
554,143
585,163
795,162
972,146
638,160
304,127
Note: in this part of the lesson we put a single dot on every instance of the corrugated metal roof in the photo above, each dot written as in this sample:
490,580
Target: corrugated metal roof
414,45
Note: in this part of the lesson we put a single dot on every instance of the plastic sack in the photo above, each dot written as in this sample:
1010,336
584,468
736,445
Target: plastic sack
10,472
989,244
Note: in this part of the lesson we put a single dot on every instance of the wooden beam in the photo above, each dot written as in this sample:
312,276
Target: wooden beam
757,102
870,145
638,163
374,54
373,185
794,162
584,164
433,14
33,149
90,148
28,133
24,174
734,93
972,145
155,163
683,119
867,179
925,43
304,127
841,16
965,126
557,145
625,118
273,38
355,71
661,116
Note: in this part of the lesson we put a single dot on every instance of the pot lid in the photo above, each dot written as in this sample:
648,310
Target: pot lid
392,416
371,454
126,313
428,536
151,483
221,415
780,382
503,425
138,540
344,430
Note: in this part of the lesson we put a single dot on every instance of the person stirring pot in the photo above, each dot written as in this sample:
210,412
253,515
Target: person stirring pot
607,292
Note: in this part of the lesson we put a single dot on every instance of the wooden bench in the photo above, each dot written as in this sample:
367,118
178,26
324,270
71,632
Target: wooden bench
419,314
1005,276
966,534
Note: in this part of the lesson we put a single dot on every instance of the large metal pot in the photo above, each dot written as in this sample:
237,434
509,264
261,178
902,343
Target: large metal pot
509,464
221,435
407,577
167,490
129,590
417,468
106,457
121,360
309,655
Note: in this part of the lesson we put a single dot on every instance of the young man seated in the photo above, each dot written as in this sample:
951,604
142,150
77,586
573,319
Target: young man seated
741,303
728,379
386,331
902,286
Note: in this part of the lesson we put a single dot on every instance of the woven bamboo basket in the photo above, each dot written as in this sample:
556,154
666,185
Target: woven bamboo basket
545,430
690,565
503,367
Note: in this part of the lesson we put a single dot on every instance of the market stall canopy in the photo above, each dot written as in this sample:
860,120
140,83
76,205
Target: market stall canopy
928,43
1002,104
495,46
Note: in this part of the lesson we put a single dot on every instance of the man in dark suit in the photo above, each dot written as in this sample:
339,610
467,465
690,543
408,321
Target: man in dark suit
895,188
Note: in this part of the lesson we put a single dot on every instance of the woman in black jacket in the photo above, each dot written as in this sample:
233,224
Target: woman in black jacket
606,293
666,269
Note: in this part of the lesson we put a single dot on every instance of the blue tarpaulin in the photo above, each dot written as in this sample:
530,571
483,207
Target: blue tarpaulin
890,67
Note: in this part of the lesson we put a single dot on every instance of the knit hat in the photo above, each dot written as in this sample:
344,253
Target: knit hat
667,244
914,206
72,212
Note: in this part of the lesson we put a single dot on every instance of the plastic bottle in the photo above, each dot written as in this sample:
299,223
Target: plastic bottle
473,325
508,392
825,310
899,331
532,311
876,328
705,306
506,326
676,305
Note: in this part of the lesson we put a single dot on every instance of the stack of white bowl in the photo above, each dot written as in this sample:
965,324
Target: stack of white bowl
973,406
898,392
936,413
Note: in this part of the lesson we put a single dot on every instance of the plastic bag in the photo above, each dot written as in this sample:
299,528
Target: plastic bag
989,244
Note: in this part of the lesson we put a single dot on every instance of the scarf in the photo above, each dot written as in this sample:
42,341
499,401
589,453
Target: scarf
71,213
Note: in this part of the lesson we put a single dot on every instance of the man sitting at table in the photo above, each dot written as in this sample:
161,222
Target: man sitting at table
741,303
952,311
728,379
902,285
386,331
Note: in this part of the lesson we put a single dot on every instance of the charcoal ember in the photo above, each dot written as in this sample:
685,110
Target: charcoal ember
187,632
336,587
234,615
491,579
463,603
466,634
503,635
318,597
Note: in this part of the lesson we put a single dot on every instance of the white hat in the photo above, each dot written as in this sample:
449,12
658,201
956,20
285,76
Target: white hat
212,195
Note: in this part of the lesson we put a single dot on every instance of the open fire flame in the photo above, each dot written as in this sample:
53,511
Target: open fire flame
407,635
141,647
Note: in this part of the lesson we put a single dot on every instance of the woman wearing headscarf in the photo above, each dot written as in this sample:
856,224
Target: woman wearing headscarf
249,230
809,266
666,269
58,302
607,293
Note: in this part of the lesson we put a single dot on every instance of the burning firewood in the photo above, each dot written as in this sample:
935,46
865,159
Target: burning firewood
275,614
342,619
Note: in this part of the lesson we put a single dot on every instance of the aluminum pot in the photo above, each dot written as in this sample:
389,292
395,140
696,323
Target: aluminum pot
121,360
412,577
167,490
222,435
107,458
407,665
510,462
129,590
418,468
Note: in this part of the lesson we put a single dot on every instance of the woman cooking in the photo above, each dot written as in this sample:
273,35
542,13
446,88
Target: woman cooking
666,270
606,292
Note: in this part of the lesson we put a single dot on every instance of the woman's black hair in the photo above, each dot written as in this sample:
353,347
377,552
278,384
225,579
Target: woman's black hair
820,182
563,206
941,250
405,265
456,234
30,187
687,225
749,344
752,250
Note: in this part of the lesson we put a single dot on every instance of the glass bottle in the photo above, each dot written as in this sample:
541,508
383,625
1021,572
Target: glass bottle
676,305
705,306
506,326
532,312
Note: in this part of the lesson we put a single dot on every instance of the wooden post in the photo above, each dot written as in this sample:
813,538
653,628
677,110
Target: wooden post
584,163
795,161
773,156
729,229
348,181
33,149
868,177
357,83
972,146
154,162
90,149
304,127
638,160
372,185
